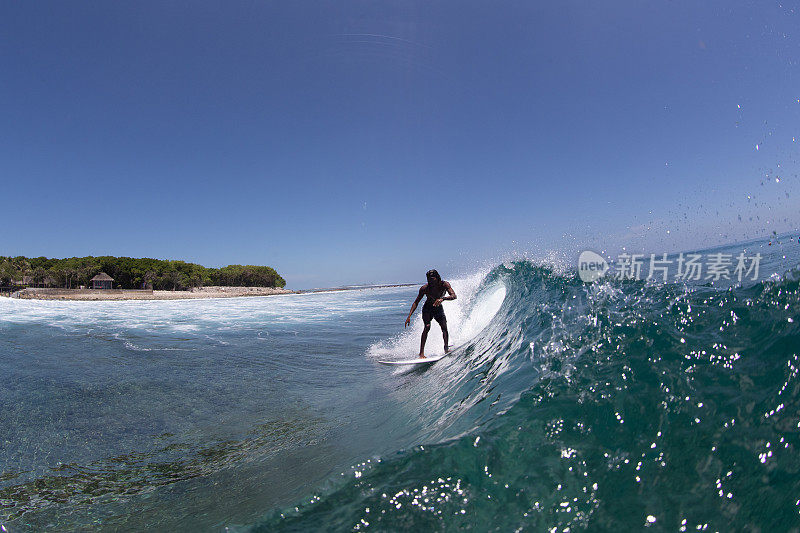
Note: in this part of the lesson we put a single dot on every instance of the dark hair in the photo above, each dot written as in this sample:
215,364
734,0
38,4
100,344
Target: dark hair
433,274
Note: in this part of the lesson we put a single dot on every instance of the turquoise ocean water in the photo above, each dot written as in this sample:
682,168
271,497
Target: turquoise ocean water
618,405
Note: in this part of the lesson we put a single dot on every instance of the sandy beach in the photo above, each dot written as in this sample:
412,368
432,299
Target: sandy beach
192,294
125,294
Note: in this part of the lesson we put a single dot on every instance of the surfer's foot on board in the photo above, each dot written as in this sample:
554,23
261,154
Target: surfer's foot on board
422,356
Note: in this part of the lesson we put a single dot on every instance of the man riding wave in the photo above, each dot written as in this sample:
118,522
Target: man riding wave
436,291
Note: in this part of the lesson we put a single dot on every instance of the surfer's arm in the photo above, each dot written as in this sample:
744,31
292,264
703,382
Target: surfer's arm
451,295
414,305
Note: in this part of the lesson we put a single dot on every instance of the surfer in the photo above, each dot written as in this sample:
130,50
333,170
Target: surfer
435,291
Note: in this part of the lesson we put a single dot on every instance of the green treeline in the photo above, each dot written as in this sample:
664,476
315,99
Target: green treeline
132,273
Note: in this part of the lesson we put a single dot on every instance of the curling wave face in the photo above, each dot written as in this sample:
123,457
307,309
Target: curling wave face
617,405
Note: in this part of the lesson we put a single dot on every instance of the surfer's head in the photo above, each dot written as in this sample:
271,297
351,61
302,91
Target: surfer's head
433,275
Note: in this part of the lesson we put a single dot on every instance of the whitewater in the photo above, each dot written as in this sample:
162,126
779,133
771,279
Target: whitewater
619,404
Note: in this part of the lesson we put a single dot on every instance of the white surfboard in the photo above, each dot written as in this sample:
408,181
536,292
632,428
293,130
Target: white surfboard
419,361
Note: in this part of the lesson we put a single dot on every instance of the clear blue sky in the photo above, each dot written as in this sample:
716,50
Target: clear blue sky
350,142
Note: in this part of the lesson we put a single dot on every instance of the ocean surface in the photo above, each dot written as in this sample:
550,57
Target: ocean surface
567,406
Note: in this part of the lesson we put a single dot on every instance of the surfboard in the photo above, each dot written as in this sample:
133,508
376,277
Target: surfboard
425,360
419,361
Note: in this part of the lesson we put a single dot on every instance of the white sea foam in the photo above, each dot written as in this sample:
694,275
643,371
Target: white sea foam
466,316
191,316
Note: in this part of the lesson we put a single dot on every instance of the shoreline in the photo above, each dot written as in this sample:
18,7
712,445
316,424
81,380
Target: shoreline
95,295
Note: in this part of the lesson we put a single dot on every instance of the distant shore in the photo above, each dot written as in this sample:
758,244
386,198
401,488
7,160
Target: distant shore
192,294
129,294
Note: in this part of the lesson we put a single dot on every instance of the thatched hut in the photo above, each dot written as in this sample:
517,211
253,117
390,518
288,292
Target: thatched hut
102,281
